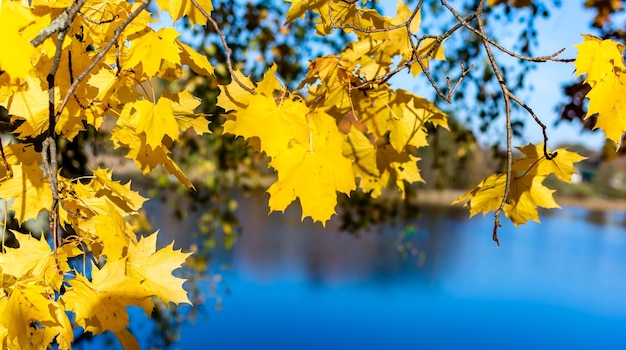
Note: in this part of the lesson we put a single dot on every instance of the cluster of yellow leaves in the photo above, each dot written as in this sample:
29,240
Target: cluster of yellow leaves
527,191
38,294
304,145
102,267
603,64
349,126
121,85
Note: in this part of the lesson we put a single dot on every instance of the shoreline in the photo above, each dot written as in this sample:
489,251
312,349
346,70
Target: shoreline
445,197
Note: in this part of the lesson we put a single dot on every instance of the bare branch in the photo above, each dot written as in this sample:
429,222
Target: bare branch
549,156
484,37
229,52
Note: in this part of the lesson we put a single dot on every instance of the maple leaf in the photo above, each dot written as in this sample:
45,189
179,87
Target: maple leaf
120,194
16,61
111,231
527,191
275,123
603,64
561,165
313,172
183,105
145,157
34,258
31,304
101,196
179,8
142,51
233,96
361,150
27,186
155,120
198,63
486,196
299,7
154,268
405,116
30,104
100,304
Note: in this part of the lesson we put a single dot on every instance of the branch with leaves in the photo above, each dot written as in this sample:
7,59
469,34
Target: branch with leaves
345,128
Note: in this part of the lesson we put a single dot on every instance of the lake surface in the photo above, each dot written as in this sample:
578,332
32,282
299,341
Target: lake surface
293,285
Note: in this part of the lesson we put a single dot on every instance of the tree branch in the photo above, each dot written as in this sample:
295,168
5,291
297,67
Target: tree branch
485,37
509,134
229,52
60,23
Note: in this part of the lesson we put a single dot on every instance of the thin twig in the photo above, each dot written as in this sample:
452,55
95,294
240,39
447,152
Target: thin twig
229,52
486,38
548,155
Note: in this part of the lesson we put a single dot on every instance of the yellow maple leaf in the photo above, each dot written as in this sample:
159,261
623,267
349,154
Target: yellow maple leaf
313,171
16,61
275,124
101,196
275,121
33,319
155,120
603,64
34,258
30,104
119,194
111,231
232,96
561,165
527,191
361,150
197,62
299,7
153,268
183,105
142,51
179,8
100,304
146,158
28,188
596,57
527,194
405,116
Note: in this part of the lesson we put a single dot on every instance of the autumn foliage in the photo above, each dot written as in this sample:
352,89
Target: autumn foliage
74,64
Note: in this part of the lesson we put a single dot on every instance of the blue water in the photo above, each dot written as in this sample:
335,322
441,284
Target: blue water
292,285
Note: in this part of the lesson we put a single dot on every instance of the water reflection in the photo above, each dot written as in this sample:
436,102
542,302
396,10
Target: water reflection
555,283
435,281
